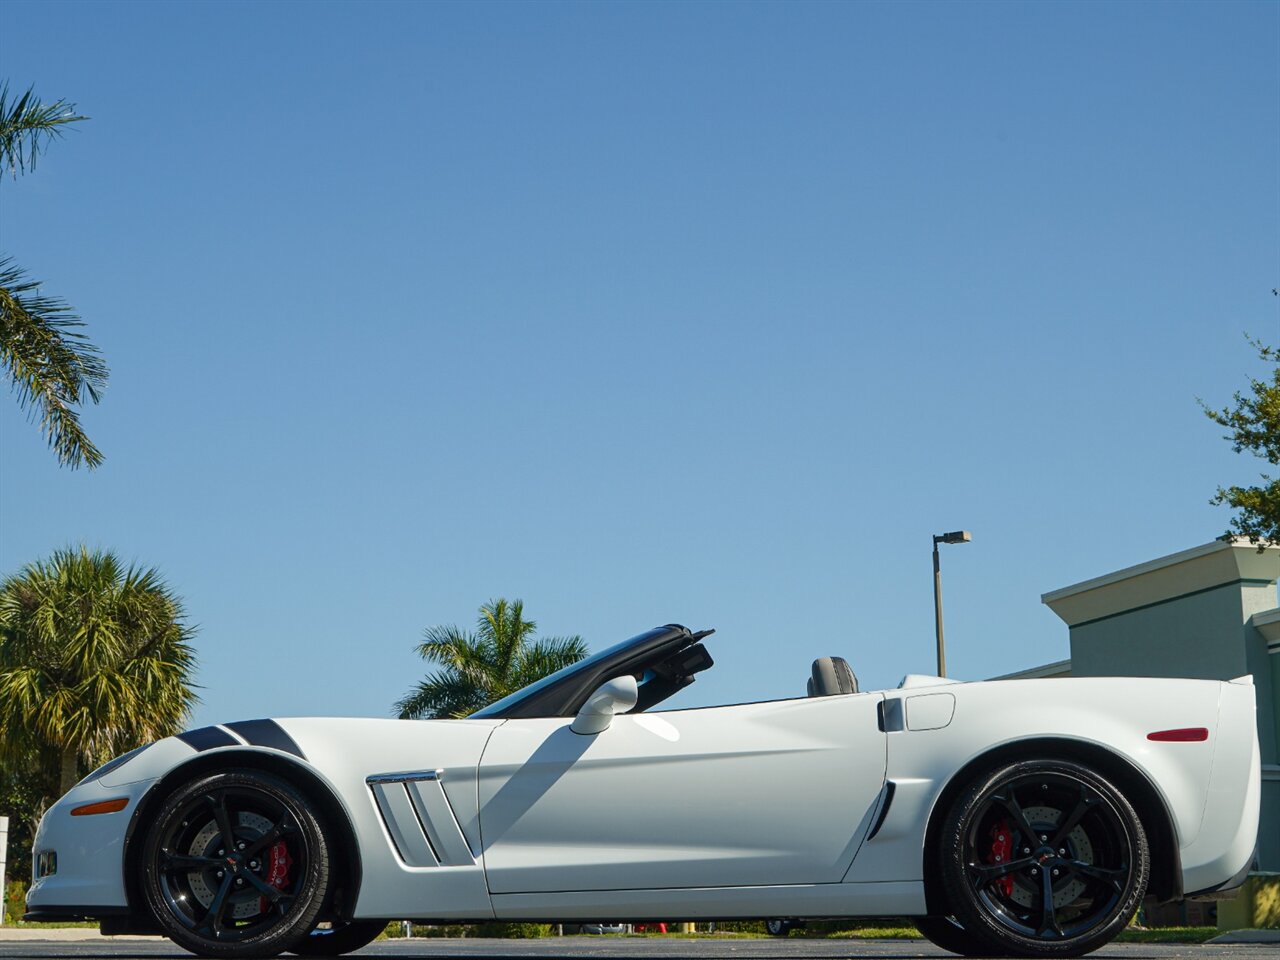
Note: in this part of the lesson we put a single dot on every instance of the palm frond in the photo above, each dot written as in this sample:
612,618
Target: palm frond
95,658
441,694
478,669
547,655
27,125
52,366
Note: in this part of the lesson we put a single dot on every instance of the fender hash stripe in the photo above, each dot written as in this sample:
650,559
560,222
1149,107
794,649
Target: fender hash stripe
206,738
266,733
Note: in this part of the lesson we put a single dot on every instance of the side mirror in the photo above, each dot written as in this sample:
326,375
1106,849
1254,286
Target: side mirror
617,696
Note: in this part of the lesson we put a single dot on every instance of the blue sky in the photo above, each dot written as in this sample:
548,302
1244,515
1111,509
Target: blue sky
710,313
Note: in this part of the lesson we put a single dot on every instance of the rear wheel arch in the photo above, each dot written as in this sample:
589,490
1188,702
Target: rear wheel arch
1166,867
346,861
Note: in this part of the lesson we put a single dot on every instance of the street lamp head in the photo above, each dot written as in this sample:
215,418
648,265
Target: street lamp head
956,536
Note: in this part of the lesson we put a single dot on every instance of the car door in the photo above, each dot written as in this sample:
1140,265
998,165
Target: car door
743,795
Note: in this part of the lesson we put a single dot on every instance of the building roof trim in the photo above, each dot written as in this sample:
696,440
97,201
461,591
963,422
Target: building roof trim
1150,566
1210,566
1042,672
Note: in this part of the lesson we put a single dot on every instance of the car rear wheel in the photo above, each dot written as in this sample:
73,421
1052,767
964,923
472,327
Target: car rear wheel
778,928
335,939
235,865
1043,859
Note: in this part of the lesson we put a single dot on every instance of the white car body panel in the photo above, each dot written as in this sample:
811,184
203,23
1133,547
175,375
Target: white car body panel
749,795
768,809
1113,713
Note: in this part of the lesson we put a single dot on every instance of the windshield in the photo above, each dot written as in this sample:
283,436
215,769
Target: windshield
588,665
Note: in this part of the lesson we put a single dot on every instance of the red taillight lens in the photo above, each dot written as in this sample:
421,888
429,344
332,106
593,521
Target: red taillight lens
1181,735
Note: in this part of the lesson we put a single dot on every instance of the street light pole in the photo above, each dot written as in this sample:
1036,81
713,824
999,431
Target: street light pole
957,536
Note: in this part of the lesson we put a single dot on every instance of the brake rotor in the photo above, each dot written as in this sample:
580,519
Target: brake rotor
244,902
1045,820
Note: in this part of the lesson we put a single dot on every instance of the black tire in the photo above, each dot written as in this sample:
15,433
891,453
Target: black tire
338,938
778,928
947,933
1043,858
235,865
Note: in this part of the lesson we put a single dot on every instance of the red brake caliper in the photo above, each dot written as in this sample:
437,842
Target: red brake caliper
278,864
1001,847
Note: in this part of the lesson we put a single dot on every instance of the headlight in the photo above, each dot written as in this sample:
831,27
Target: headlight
110,765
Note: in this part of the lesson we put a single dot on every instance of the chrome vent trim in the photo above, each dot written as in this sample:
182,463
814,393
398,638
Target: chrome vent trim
419,818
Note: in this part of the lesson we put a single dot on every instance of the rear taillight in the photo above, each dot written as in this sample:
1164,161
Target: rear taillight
1181,735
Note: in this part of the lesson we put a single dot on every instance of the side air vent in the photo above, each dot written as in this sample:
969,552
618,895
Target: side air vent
421,823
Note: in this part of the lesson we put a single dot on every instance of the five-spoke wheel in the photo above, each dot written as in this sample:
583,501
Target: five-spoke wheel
1043,859
235,865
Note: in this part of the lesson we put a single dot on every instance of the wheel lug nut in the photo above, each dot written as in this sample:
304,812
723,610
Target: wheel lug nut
218,874
1035,872
1062,853
1043,838
240,883
1055,873
240,845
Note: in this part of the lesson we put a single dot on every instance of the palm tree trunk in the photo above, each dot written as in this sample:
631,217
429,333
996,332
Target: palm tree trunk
70,768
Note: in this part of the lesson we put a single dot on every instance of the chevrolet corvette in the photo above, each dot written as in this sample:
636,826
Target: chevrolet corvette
1009,818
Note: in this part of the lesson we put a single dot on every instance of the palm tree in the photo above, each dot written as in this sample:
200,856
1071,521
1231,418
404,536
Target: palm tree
475,669
51,365
95,659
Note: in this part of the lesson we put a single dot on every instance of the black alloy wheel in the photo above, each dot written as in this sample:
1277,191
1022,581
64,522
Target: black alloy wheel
946,932
778,928
1043,859
337,938
236,865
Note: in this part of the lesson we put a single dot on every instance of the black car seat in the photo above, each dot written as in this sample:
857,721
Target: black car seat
832,676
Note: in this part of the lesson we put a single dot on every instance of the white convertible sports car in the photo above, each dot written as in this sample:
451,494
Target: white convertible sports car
1012,818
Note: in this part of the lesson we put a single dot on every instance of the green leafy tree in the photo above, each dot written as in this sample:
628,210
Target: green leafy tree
95,659
25,791
50,363
475,669
1253,425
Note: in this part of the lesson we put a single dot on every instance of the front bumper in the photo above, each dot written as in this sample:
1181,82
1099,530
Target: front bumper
89,882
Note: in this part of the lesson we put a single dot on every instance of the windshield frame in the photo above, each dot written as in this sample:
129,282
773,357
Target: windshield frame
561,694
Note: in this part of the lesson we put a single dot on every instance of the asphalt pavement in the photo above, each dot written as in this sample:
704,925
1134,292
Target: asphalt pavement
628,948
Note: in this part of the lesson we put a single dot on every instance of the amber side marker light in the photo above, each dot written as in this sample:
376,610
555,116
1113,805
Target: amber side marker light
1182,735
102,806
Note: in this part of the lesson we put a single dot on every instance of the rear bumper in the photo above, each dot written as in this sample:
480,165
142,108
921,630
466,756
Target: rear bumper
1225,845
1227,889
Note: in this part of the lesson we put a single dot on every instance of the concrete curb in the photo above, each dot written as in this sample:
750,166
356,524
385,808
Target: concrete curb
1248,936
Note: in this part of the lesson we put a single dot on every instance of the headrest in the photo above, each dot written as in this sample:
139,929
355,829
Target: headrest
832,676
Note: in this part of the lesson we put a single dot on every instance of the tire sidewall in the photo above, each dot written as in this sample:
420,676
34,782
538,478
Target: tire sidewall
312,891
946,932
344,938
975,918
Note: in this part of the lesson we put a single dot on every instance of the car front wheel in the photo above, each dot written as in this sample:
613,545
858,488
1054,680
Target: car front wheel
1043,859
235,865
